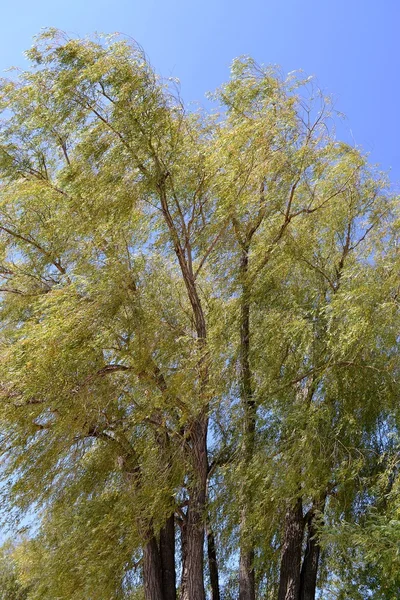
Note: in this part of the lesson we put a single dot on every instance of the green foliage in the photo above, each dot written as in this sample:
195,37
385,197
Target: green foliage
10,585
120,215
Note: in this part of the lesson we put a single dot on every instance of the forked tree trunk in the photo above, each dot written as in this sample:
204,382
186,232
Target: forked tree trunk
152,571
289,578
193,560
152,568
167,555
309,569
159,579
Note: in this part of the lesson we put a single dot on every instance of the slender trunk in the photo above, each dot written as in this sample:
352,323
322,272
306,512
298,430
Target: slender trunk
213,565
246,575
193,560
246,563
183,538
152,573
167,532
289,579
167,554
309,569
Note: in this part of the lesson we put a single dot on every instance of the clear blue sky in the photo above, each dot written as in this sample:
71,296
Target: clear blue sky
352,46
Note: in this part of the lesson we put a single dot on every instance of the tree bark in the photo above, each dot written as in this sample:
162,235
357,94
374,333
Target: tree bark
246,562
193,560
309,569
246,575
152,572
289,579
167,554
152,569
213,565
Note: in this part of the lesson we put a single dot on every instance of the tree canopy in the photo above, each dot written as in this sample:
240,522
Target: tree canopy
199,337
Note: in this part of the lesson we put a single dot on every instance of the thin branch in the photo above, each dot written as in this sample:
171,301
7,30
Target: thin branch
320,271
211,248
36,245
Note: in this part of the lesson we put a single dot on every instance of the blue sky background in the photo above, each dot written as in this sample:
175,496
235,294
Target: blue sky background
351,46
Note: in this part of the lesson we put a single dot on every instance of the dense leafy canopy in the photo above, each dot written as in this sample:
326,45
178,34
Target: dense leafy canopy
199,322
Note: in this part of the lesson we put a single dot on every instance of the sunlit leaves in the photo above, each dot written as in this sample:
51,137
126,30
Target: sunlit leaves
113,197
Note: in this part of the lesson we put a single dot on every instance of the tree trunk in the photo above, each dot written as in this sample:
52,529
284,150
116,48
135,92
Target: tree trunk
193,560
289,579
246,563
152,572
246,575
213,565
167,554
309,569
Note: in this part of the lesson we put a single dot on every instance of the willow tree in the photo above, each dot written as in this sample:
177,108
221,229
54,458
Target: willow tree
309,220
104,197
164,272
330,389
282,168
